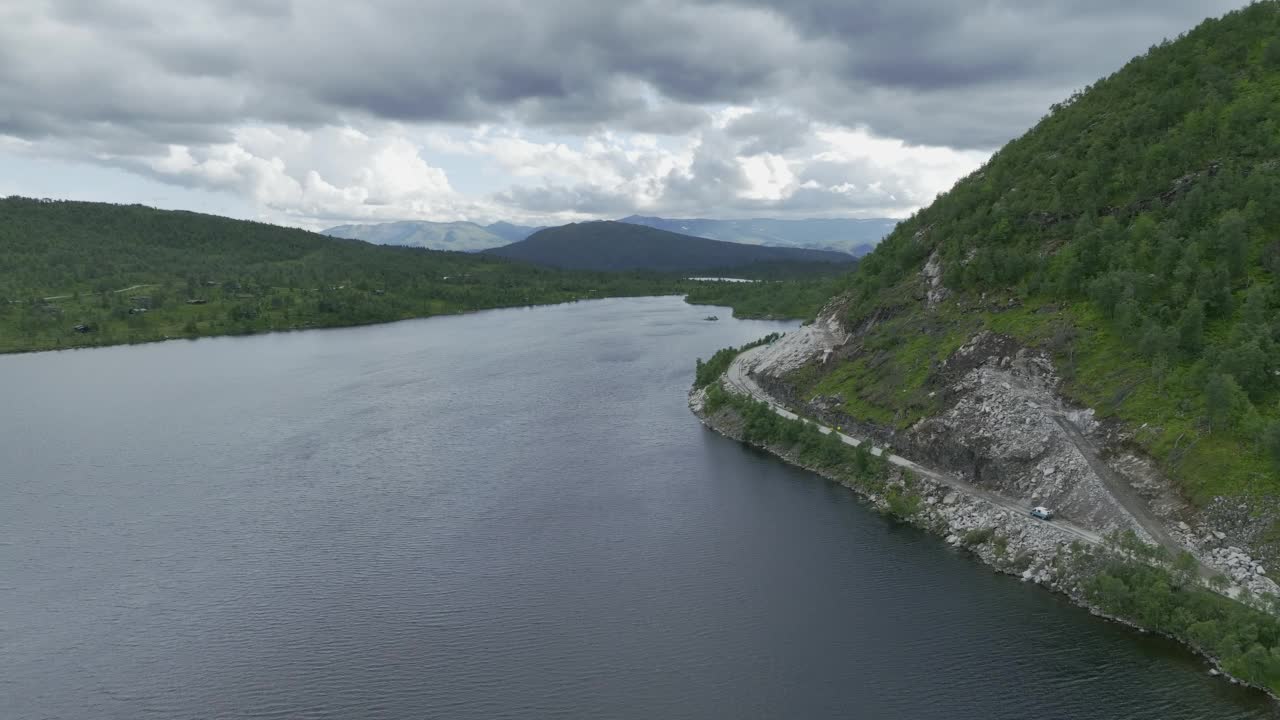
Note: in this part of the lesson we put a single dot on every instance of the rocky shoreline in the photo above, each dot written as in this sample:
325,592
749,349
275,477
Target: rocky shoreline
1009,543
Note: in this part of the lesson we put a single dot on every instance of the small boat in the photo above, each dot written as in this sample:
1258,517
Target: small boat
711,317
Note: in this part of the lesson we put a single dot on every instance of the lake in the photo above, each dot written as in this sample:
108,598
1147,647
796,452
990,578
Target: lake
510,514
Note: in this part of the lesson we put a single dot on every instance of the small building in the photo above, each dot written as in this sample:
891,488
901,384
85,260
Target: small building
82,328
197,301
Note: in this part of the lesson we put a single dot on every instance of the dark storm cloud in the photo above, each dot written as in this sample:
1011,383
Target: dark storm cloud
928,71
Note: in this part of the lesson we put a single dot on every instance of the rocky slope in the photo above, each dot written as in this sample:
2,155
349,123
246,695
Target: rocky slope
1001,424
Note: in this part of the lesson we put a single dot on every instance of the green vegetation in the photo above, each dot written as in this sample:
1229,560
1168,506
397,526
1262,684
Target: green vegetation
977,536
1135,234
853,466
1138,582
79,274
769,300
707,372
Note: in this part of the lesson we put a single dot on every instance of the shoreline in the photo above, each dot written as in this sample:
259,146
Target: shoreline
339,326
723,421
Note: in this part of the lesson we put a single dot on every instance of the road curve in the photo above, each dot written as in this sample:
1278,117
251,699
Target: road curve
737,378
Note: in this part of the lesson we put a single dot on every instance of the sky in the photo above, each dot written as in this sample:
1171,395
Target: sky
322,112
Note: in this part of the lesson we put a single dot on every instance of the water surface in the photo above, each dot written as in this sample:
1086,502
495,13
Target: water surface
510,514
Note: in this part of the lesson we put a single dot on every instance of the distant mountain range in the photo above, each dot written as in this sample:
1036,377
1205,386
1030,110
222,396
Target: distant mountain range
853,236
459,236
607,245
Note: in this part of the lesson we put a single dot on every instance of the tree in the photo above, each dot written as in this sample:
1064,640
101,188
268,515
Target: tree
1248,363
1271,55
1225,402
1233,239
1185,567
1191,327
1256,303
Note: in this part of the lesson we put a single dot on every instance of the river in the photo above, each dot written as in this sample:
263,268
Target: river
509,514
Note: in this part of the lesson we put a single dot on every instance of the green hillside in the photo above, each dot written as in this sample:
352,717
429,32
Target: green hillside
1135,233
132,274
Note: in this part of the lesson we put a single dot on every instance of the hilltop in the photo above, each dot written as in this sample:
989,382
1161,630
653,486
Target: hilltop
625,246
855,236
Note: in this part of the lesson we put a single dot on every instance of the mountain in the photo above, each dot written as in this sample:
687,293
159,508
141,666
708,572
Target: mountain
608,245
1090,322
458,236
512,233
854,236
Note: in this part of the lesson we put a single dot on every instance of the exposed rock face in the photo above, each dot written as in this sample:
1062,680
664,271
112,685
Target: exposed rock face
932,274
1004,432
811,343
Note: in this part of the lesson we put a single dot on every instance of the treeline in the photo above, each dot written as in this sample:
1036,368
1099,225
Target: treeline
75,274
1142,216
767,300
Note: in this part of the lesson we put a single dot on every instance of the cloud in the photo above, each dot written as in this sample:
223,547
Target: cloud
753,102
830,170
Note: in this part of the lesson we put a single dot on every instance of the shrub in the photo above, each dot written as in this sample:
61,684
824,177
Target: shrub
977,536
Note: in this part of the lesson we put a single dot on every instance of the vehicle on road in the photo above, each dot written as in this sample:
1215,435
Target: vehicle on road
1042,512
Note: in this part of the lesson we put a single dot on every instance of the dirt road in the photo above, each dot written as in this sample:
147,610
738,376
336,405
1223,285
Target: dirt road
737,378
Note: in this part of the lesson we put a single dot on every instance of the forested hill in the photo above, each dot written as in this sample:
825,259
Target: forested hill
1135,232
77,273
625,246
